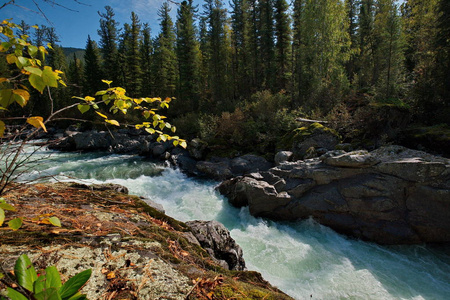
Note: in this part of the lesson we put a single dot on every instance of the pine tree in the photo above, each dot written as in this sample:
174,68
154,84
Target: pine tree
165,57
321,52
75,76
240,40
108,33
188,55
218,53
352,9
443,58
146,52
92,72
267,47
133,82
367,44
389,59
283,45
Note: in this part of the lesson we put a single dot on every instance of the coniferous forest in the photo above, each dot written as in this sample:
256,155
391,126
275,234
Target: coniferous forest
376,70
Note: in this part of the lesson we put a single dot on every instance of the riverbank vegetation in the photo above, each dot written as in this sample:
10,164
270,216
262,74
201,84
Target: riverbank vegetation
241,75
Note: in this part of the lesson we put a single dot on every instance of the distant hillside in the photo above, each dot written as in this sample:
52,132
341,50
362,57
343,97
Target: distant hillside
69,51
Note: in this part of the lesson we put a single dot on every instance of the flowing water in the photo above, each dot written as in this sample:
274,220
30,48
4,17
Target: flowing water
304,259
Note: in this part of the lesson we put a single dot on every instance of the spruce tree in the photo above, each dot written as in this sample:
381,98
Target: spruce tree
443,57
75,76
188,55
165,56
389,59
109,35
322,50
146,52
240,41
267,47
133,81
283,45
92,72
218,53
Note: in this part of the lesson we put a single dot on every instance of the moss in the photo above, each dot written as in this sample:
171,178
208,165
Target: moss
300,134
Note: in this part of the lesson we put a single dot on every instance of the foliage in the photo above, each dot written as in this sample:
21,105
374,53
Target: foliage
45,285
30,69
255,126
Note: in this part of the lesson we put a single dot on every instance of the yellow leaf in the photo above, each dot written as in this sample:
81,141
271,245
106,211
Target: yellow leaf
2,79
108,82
22,93
112,122
11,58
37,122
101,115
89,98
2,128
35,27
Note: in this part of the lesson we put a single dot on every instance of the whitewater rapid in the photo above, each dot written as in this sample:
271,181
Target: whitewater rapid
303,259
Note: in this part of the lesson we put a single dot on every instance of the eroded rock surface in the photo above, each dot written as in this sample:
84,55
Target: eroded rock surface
392,195
216,239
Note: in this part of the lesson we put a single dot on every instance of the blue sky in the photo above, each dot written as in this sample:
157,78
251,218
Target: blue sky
73,26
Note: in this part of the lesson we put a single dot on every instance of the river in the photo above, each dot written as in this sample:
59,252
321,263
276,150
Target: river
304,259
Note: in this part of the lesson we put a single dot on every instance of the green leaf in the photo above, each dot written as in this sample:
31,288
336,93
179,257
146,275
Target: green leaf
75,283
55,221
163,137
34,70
37,82
32,50
6,206
15,295
25,272
22,61
78,296
6,97
53,277
150,130
48,294
49,77
15,224
2,216
83,108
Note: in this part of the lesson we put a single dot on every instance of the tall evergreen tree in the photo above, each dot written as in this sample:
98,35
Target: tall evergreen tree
283,45
165,56
188,55
267,47
218,76
352,9
321,52
75,76
92,72
443,57
146,51
133,82
367,44
240,39
109,35
389,59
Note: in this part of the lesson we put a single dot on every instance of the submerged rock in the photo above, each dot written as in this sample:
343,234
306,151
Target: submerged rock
392,195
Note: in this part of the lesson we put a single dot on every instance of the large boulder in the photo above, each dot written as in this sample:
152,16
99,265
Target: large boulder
310,141
225,168
392,195
216,240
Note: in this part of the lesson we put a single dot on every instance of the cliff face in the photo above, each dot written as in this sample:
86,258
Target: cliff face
392,195
135,251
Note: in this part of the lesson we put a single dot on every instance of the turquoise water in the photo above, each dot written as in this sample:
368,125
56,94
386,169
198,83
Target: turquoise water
304,259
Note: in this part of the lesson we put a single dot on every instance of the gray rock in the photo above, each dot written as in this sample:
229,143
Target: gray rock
282,156
392,195
216,240
197,148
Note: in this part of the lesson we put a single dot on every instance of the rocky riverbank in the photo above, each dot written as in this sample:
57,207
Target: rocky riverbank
135,251
392,195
